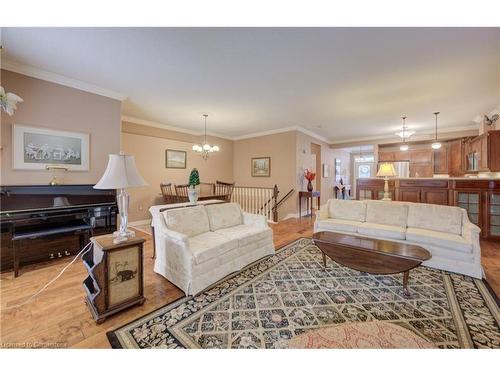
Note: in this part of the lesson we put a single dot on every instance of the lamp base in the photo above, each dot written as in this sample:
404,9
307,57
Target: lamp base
387,196
122,236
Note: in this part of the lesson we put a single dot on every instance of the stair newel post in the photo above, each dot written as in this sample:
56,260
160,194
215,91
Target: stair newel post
275,203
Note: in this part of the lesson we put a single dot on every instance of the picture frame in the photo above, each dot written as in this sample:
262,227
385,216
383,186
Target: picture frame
175,159
37,148
326,171
261,167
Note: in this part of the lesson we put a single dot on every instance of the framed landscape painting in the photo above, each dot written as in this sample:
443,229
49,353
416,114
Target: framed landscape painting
39,148
261,167
175,159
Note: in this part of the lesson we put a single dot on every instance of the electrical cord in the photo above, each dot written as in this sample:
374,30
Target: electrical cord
82,252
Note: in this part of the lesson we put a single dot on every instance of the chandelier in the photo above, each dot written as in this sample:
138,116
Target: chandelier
405,133
205,149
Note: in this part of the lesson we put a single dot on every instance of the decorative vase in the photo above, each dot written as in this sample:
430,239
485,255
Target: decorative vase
309,186
192,195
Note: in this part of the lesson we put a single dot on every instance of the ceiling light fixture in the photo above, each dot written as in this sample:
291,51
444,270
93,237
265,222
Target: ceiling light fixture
436,145
405,133
404,146
205,149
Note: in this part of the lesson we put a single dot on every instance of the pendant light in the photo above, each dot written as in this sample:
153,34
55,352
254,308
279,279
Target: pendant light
404,146
436,145
205,149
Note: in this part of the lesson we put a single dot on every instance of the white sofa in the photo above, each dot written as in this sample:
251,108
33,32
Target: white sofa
197,246
445,231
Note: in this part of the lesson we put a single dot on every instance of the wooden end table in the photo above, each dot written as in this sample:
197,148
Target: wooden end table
380,257
309,195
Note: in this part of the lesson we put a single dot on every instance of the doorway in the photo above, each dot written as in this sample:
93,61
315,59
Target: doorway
316,153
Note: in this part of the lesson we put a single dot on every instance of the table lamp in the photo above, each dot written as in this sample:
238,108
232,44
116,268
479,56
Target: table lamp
121,173
386,170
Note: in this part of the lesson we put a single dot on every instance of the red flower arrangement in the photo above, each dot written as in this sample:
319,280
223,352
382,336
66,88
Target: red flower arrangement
309,176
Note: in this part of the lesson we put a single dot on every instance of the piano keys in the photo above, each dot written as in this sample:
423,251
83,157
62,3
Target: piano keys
48,209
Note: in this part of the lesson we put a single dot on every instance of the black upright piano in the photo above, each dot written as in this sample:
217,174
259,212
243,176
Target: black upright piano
47,209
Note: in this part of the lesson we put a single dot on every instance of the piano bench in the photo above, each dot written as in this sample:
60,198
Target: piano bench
83,230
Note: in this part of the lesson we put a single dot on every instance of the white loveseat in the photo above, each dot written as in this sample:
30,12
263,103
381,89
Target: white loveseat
445,231
197,246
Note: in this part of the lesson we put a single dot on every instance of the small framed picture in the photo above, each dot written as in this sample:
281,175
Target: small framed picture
175,159
261,167
38,148
326,171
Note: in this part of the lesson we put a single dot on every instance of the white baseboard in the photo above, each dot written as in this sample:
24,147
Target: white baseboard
139,222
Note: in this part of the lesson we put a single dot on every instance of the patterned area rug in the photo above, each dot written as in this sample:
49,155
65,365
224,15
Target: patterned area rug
287,294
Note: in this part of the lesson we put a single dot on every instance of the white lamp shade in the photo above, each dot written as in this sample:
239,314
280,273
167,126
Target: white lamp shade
386,170
120,173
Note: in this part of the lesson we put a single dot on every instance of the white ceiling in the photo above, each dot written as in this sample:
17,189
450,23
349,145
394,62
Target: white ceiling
341,83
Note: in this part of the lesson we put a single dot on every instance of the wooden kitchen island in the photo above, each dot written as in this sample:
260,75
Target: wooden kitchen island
479,196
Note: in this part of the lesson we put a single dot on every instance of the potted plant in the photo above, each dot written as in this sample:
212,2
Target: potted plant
194,180
309,176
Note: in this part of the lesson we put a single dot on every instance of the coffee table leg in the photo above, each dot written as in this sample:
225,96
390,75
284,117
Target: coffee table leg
406,275
324,261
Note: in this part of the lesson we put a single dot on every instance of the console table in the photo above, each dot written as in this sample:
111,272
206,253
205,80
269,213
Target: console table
309,195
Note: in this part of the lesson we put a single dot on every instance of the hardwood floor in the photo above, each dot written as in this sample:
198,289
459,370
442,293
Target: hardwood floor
60,318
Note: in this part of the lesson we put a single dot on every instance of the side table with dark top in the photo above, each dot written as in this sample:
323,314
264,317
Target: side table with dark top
309,195
380,257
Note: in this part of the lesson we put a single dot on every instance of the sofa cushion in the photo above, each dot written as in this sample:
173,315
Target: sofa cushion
190,221
209,245
339,225
434,217
387,213
382,230
347,209
246,234
439,239
224,215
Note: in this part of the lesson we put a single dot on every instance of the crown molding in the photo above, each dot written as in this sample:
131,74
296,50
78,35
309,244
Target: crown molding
313,134
160,125
282,130
417,136
264,133
44,75
154,124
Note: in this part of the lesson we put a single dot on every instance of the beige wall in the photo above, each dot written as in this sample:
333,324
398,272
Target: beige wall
281,149
148,145
55,106
307,161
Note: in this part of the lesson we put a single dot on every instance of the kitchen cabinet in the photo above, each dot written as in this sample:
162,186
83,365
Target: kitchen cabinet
421,170
401,155
424,191
482,153
386,156
421,156
456,153
441,160
494,215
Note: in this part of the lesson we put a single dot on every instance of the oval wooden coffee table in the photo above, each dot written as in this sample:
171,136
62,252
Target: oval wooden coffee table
371,255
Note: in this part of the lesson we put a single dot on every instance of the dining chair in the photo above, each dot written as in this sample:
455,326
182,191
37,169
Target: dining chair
224,190
168,192
182,192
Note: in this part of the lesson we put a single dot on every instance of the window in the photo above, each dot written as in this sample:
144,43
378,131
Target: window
364,170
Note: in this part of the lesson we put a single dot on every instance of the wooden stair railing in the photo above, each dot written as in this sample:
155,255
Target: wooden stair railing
259,200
